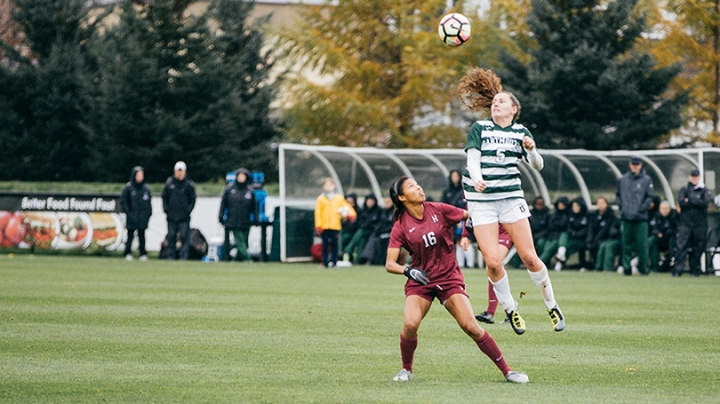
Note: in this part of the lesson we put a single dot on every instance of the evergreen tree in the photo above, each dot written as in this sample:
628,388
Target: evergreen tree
172,89
45,96
587,86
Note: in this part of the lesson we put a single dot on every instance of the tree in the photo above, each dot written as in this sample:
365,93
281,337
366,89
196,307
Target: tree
174,89
44,94
689,33
381,75
587,85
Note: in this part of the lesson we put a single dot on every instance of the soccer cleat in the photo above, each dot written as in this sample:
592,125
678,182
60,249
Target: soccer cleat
557,319
405,375
507,319
516,377
485,317
128,257
516,322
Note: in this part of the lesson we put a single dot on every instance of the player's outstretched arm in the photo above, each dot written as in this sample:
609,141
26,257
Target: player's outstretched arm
533,156
391,264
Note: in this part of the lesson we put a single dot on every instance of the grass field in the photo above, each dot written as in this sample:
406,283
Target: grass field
99,329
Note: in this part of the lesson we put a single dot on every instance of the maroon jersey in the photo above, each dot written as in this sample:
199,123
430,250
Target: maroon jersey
430,240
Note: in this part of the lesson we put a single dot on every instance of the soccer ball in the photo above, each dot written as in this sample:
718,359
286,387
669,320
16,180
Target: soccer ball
454,29
344,212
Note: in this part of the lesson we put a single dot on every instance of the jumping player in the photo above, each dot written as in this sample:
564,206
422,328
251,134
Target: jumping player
493,189
504,244
425,230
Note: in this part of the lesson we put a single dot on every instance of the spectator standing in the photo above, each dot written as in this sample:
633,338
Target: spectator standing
135,201
349,227
662,239
634,196
557,225
330,208
693,200
178,197
237,208
575,238
368,218
601,222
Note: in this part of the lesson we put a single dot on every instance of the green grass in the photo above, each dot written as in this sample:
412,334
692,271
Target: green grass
99,329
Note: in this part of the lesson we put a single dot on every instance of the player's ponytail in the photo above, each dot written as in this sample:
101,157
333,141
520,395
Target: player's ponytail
395,192
478,88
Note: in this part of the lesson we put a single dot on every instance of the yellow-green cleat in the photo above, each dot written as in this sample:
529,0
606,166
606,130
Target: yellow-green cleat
557,319
517,322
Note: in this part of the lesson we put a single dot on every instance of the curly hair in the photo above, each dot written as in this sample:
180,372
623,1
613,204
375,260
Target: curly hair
478,88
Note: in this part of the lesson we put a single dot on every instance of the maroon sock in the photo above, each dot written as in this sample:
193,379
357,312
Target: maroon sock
490,348
407,351
492,299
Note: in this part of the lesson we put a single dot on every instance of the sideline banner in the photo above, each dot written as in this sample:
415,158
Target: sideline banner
61,221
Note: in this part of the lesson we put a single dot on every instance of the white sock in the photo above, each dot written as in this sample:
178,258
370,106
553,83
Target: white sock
542,280
460,255
470,256
504,297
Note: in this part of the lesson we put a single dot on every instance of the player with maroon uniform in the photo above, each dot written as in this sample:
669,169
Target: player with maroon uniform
425,230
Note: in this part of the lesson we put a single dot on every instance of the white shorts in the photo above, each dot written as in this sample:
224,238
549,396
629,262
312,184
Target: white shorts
502,211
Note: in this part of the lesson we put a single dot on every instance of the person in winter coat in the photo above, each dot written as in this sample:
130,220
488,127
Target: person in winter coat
178,197
634,196
692,232
662,240
575,238
601,221
330,209
557,224
349,227
610,248
368,219
135,201
237,207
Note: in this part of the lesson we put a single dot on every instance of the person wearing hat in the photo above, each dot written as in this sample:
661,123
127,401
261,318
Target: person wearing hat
135,201
237,206
178,196
693,200
634,196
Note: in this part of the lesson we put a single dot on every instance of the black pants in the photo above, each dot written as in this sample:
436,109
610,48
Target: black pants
693,239
183,230
131,237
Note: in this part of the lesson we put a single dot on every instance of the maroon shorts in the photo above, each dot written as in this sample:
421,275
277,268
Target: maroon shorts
504,238
442,290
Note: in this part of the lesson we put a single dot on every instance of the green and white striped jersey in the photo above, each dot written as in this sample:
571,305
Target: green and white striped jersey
501,150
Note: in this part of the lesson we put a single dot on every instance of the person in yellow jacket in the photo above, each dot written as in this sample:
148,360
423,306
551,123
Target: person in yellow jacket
330,209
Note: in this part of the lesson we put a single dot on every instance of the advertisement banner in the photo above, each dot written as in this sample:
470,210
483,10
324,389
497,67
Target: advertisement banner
60,221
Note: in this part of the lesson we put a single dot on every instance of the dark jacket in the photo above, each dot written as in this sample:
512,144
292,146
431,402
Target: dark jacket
454,194
135,201
368,218
237,204
664,228
386,222
578,223
178,199
600,226
351,226
539,220
558,221
693,212
634,194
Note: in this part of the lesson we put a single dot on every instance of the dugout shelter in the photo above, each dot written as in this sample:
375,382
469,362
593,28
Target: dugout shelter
572,173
